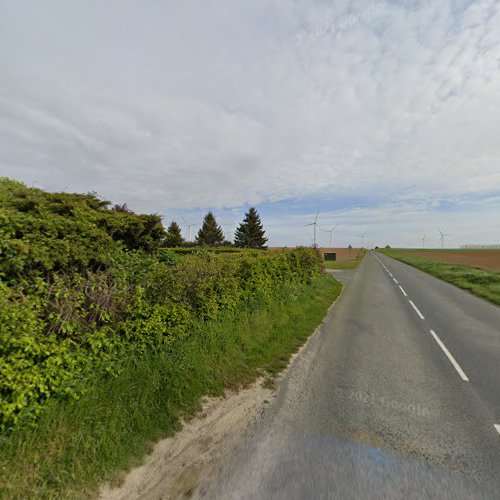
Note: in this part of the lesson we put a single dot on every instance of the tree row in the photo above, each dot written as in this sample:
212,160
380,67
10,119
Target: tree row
249,234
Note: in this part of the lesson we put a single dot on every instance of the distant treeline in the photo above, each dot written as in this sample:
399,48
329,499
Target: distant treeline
471,246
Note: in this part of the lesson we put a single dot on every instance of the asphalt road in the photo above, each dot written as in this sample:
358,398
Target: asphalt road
390,399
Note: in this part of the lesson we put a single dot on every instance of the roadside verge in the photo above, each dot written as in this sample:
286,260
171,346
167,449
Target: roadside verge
79,444
480,282
177,465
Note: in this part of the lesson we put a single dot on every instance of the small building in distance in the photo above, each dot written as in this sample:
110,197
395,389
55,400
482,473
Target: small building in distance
340,253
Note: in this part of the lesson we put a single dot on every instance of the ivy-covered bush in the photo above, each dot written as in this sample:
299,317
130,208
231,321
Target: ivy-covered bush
70,310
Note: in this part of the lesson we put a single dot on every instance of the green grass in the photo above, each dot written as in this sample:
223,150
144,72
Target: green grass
342,264
79,444
480,282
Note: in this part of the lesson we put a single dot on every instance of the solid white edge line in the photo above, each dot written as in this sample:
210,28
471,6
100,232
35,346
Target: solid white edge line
416,309
402,290
497,427
450,357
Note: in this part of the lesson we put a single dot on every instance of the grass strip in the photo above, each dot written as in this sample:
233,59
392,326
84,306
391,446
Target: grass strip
342,264
79,444
480,282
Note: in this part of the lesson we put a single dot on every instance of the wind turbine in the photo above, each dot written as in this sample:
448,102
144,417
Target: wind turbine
189,226
315,224
442,237
362,236
331,232
423,242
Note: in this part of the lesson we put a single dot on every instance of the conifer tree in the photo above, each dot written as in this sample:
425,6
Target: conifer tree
174,237
250,233
210,233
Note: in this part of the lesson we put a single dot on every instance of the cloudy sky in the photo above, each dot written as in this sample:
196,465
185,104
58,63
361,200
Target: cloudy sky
382,115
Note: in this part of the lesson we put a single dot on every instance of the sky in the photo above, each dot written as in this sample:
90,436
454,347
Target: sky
380,116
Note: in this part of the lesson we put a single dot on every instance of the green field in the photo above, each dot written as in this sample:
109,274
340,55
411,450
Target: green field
480,282
342,264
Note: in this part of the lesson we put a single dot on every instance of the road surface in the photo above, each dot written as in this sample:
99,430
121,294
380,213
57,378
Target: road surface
397,395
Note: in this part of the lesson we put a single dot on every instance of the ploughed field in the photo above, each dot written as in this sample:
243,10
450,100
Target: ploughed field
484,259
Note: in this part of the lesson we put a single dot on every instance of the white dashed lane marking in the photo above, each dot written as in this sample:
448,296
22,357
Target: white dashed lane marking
450,357
417,310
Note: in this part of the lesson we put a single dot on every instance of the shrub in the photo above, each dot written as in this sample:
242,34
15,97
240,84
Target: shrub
83,287
43,232
57,332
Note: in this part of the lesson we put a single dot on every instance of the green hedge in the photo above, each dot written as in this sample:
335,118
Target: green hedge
201,249
58,331
82,285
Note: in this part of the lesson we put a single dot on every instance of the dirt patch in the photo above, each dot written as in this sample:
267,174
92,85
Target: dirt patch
176,465
475,258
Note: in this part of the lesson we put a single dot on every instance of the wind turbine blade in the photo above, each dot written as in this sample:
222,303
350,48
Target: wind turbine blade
316,218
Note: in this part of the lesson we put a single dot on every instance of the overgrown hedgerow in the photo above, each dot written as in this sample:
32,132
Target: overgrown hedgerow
56,332
83,285
77,444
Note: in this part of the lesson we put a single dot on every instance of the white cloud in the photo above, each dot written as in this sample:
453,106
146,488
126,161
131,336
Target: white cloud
183,105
